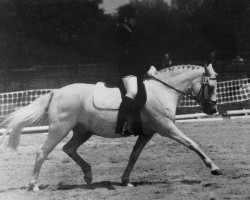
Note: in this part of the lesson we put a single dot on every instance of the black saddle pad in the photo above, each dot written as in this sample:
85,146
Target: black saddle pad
141,96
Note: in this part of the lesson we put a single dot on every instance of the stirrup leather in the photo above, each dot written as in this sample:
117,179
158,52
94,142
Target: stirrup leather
125,131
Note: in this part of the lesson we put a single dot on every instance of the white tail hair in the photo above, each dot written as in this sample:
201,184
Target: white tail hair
26,116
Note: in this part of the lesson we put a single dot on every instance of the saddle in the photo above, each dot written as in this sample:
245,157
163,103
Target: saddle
109,97
106,97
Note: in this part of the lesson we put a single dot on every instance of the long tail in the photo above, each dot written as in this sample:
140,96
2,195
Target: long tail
26,116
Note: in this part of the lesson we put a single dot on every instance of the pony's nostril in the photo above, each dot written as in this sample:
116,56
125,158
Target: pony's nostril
213,111
210,111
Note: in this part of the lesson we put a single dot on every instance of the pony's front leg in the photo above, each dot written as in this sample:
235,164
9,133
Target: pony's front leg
169,129
139,145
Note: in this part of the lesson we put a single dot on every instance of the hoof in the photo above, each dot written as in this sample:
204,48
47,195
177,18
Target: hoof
88,180
130,185
88,177
33,187
127,183
217,172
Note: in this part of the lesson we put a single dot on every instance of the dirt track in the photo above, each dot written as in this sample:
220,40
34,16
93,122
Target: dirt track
165,169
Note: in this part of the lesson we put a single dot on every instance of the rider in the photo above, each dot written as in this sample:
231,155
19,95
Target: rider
130,66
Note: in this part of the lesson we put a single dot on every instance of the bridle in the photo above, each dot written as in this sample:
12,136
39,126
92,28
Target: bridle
201,94
200,98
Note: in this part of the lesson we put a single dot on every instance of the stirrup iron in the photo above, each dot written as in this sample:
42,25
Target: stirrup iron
125,131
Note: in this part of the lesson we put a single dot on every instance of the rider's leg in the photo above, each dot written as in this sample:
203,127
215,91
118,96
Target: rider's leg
126,107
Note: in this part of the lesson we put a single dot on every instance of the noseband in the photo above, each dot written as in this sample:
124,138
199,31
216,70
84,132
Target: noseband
201,94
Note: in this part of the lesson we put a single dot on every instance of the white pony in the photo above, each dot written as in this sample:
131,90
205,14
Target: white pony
72,108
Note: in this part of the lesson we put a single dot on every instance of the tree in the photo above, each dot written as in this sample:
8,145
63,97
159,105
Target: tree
62,21
187,7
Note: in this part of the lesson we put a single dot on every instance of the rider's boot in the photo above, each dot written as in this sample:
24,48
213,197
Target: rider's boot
136,123
124,112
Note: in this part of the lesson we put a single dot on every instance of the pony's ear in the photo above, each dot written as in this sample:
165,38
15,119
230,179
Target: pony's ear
210,70
152,71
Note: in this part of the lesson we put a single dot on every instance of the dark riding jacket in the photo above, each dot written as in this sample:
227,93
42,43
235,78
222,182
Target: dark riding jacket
130,62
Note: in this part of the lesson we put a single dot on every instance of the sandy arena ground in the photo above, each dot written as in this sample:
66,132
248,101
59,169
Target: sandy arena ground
165,169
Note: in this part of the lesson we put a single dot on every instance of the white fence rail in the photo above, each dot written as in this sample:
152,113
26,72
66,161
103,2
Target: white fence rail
236,114
30,130
197,117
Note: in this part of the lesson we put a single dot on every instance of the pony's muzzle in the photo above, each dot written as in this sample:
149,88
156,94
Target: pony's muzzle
213,111
210,110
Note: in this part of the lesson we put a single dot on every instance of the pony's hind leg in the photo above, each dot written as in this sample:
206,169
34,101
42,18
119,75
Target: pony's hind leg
54,137
80,135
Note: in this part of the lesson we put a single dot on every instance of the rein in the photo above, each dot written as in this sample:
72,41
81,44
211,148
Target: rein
191,96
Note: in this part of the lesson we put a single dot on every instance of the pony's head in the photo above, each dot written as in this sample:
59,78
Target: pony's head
205,90
196,82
